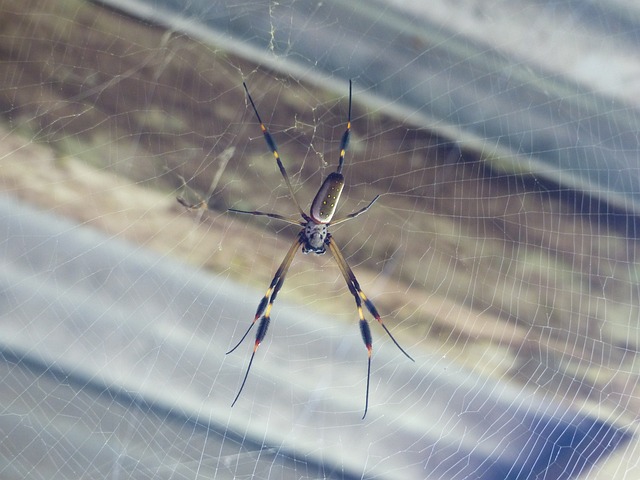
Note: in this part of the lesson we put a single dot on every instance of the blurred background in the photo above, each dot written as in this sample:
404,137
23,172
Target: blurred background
502,253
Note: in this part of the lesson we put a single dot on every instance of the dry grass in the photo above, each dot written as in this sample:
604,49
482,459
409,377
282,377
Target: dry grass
106,119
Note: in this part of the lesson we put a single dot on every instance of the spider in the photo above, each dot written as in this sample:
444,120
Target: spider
314,238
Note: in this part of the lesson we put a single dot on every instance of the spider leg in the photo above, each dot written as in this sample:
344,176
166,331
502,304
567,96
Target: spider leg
274,288
352,281
344,143
274,150
360,297
264,308
201,205
264,214
355,214
262,331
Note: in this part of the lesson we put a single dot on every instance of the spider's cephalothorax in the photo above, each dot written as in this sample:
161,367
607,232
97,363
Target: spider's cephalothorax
314,237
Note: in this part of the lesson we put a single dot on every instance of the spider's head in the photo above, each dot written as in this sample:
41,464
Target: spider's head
315,236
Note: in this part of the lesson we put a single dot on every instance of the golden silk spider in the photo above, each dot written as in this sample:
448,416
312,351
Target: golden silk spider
314,237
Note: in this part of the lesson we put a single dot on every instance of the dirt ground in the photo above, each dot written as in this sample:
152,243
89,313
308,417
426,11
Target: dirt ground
106,120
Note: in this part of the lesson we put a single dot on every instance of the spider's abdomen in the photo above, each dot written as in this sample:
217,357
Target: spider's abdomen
324,205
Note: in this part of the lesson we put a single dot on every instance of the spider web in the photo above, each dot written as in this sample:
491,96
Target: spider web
502,253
